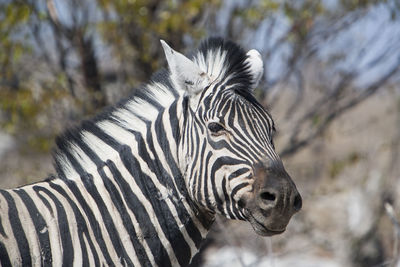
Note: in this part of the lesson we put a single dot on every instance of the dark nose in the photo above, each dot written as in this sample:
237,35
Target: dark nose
297,202
270,198
277,191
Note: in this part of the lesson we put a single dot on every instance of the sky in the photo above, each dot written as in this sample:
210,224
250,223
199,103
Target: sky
370,46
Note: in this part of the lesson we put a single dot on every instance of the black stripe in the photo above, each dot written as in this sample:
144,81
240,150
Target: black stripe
167,180
237,173
44,200
219,163
138,246
218,145
87,180
40,227
237,144
149,233
148,97
2,232
205,186
253,121
192,177
82,227
174,122
88,183
232,113
205,176
252,146
195,155
237,188
4,258
244,150
198,177
93,221
58,165
163,214
227,199
63,227
105,216
118,203
185,109
18,231
216,165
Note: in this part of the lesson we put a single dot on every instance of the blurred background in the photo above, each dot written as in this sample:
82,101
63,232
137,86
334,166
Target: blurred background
331,81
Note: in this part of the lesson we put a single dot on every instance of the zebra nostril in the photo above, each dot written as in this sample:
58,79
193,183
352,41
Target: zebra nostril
268,197
241,203
298,203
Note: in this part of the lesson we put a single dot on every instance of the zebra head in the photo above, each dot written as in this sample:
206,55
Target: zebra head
226,149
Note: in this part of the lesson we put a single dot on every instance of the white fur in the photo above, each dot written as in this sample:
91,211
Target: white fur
213,64
184,72
256,66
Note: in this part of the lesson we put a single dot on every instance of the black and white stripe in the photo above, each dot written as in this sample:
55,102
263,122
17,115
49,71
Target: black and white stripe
140,183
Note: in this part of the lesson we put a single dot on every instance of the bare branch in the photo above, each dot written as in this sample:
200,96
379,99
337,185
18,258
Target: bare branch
333,112
53,12
299,93
373,88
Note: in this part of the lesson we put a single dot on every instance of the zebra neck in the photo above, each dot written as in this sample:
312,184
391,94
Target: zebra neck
126,162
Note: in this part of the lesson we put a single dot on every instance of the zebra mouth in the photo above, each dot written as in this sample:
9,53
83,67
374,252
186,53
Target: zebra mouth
262,229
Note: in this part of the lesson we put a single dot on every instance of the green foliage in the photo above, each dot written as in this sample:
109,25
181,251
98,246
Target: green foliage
254,14
135,33
357,4
26,116
302,17
13,14
131,29
301,14
13,17
316,120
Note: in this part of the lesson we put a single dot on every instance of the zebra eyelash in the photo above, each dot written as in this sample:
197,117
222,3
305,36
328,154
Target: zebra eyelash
216,128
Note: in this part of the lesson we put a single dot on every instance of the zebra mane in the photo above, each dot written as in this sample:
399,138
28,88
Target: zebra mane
221,59
226,60
144,104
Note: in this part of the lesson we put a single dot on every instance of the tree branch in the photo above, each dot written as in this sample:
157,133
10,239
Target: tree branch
333,112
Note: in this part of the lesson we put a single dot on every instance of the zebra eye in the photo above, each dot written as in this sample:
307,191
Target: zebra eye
216,128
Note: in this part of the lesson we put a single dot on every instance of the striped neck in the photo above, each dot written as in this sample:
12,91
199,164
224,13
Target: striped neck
132,150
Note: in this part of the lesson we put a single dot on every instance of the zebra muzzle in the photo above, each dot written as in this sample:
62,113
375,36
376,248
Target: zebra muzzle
273,202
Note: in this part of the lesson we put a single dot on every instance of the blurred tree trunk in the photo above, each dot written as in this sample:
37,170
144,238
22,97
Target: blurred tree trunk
89,66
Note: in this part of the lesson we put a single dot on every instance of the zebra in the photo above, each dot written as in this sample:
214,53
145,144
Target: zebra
141,183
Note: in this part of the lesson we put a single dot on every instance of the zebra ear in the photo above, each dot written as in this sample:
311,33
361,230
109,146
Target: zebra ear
256,66
185,73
